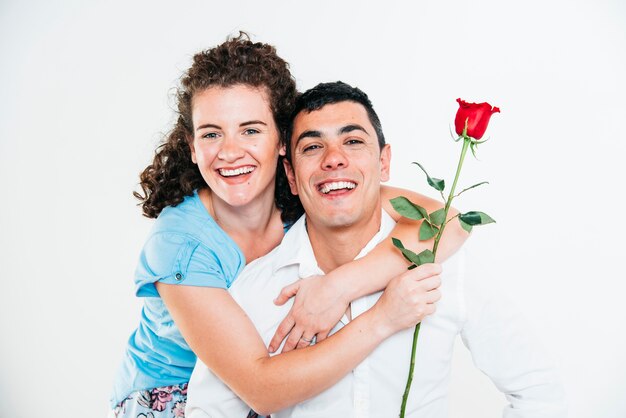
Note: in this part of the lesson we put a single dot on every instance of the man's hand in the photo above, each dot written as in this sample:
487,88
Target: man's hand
317,307
410,297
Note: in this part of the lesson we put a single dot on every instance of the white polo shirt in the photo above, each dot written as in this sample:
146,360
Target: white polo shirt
494,334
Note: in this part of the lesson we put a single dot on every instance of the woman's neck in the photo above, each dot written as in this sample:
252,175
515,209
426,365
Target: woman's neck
255,227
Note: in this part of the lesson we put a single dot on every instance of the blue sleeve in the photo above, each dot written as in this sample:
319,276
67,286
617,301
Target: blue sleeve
176,258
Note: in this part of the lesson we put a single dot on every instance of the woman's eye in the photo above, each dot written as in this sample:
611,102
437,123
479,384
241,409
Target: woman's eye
251,131
210,135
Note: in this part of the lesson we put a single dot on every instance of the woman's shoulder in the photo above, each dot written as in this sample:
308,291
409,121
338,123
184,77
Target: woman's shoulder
186,246
186,229
184,217
189,224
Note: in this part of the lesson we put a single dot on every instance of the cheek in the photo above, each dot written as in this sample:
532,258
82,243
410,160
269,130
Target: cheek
265,153
205,156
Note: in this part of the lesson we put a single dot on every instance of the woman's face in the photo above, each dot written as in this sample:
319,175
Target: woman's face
235,143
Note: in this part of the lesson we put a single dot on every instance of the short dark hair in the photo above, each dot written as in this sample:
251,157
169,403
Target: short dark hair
330,93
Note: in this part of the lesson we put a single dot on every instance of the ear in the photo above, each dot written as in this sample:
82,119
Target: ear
192,148
291,177
385,160
282,151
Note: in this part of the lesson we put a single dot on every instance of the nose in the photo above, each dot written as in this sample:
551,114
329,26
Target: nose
230,149
334,158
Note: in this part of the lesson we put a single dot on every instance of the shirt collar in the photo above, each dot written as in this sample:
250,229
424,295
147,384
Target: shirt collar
296,249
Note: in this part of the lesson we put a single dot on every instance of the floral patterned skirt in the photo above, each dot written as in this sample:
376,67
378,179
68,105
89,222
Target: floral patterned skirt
163,402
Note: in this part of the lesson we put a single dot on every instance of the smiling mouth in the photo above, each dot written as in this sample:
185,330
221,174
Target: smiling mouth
336,185
225,172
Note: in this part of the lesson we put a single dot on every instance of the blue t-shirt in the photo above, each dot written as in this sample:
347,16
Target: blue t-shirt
187,247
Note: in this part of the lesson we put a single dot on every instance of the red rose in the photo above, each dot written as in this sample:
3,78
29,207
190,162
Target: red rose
477,116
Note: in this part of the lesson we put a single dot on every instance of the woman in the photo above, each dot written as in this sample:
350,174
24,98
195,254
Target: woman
219,191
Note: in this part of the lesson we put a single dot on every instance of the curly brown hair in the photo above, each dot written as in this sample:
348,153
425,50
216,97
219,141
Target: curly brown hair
172,174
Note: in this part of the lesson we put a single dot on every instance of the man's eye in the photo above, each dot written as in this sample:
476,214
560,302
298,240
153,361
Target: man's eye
354,141
311,147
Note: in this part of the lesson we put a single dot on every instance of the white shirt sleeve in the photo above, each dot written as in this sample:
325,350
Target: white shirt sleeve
503,347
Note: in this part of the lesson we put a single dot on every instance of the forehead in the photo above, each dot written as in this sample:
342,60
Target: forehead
331,117
233,99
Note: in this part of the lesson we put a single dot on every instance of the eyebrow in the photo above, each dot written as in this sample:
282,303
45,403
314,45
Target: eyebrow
354,127
309,134
208,125
343,130
250,122
253,122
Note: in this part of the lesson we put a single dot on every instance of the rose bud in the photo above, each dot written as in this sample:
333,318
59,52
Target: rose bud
477,116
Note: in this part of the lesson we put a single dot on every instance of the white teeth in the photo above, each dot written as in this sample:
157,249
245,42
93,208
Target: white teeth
237,171
337,185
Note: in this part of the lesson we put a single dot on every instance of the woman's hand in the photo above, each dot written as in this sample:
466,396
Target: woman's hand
410,297
319,304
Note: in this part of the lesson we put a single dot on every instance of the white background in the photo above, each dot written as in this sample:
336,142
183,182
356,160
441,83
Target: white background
85,93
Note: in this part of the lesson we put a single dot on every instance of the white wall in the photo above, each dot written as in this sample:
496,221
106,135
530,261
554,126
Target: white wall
84,100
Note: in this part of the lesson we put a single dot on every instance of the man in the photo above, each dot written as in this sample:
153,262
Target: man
337,158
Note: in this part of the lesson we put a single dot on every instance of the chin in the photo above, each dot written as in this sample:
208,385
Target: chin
237,200
339,220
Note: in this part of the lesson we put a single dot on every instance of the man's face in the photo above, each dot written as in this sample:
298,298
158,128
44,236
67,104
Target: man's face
337,165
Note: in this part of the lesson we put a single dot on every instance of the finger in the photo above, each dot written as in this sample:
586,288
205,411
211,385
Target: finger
429,284
424,310
283,329
420,287
426,270
321,336
433,296
293,339
304,342
287,293
429,309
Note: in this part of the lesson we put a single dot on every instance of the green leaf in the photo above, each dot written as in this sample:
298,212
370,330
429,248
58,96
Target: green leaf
397,243
408,209
426,256
470,218
408,254
465,226
411,256
475,218
486,219
437,184
438,217
427,231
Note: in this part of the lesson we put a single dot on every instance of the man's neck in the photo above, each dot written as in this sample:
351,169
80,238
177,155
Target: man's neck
337,246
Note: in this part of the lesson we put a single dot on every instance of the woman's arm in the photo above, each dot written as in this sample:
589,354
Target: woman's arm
321,300
223,337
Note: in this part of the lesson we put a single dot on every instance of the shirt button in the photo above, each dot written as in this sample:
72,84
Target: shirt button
178,276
